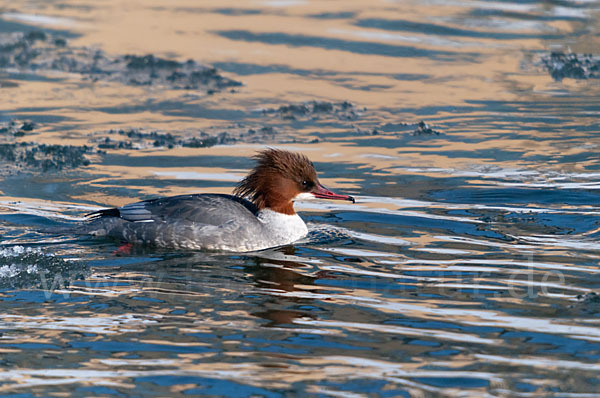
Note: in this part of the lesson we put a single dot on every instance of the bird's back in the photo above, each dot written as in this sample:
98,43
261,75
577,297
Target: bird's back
199,221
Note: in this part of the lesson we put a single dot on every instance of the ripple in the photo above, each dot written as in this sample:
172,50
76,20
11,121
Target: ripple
540,362
126,323
421,332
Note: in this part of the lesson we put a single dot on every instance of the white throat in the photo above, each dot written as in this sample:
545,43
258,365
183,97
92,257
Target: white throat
282,228
304,196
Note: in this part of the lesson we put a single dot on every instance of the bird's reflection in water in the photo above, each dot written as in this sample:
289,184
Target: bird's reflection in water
256,283
277,272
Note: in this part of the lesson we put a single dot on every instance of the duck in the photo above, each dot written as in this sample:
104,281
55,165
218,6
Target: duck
258,215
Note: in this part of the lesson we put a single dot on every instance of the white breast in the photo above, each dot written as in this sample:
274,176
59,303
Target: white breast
282,228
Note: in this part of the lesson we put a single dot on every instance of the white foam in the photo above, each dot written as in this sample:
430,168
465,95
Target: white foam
14,251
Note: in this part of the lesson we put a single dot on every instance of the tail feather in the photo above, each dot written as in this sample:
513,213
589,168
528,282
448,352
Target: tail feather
113,212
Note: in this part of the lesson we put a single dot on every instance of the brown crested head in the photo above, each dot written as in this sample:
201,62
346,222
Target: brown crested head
278,177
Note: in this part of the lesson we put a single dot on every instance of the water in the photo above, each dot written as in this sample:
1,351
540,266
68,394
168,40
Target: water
468,266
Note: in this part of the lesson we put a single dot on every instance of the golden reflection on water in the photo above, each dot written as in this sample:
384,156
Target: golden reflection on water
140,28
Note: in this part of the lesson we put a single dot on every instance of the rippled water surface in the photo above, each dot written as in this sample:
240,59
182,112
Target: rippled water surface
468,266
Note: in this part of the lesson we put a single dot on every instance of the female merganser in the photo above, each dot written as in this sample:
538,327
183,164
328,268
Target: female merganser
223,222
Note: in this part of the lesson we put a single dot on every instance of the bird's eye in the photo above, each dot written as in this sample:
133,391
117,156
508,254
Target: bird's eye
307,185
